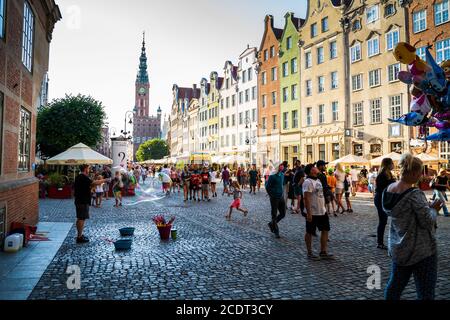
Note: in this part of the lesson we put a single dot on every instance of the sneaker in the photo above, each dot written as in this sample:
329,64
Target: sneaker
313,257
271,227
326,256
82,239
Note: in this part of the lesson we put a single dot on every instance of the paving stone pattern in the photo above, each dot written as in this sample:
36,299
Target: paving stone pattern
217,259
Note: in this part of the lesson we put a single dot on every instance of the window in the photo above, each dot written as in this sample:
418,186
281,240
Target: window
233,140
274,97
419,21
392,38
228,140
228,121
2,18
421,53
254,93
227,84
355,52
375,111
335,148
244,76
358,150
27,38
247,95
233,100
373,47
241,119
266,55
320,57
264,123
221,123
309,116
389,10
227,102
233,120
393,71
285,94
274,74
357,82
333,50
289,43
24,140
254,114
294,94
321,152
324,24
313,30
308,87
272,51
308,60
356,25
240,97
221,104
372,14
309,154
294,65
441,12
396,147
321,83
294,119
357,114
395,107
335,110
285,70
249,73
241,138
334,80
442,50
374,77
264,78
264,100
285,120
274,122
321,113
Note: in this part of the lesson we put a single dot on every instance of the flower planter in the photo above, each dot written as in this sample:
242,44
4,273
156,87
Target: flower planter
424,186
363,188
164,232
60,193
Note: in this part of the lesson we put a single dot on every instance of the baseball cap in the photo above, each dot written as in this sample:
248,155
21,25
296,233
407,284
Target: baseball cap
321,163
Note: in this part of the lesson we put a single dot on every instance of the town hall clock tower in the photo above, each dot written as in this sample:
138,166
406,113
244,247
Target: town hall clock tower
145,127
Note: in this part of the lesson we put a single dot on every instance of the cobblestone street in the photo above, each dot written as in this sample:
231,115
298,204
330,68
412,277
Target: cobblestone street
216,259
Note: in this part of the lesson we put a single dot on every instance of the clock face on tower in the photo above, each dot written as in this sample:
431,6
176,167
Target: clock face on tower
142,91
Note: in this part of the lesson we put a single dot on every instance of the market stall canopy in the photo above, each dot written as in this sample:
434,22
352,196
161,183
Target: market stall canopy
78,155
427,159
234,159
350,159
200,158
393,155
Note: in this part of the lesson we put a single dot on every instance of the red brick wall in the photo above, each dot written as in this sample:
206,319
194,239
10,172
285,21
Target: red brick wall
21,203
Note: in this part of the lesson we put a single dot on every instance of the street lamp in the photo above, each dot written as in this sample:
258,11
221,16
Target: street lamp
250,140
128,115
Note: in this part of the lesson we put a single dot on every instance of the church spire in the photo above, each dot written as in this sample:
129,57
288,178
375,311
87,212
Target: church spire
142,76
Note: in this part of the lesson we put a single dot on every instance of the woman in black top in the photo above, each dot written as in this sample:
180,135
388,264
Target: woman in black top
384,179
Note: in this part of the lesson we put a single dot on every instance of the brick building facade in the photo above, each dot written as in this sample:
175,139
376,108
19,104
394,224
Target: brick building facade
145,127
25,34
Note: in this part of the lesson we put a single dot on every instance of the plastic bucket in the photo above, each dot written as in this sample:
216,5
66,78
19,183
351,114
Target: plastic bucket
164,232
173,234
126,232
123,244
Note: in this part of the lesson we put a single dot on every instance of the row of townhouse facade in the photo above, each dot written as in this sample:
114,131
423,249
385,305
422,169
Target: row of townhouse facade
320,88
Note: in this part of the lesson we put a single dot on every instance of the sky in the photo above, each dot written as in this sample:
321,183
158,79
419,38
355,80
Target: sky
96,46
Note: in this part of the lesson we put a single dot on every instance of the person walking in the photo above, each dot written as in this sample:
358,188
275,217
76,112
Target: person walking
186,180
225,179
274,188
331,181
354,174
316,216
205,179
299,178
106,175
347,191
327,193
237,203
253,174
440,186
412,241
117,189
82,192
383,180
340,178
372,180
213,182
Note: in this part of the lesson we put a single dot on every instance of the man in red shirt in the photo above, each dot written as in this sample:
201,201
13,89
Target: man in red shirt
195,184
205,184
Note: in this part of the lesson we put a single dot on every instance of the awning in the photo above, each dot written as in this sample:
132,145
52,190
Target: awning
350,159
393,155
78,155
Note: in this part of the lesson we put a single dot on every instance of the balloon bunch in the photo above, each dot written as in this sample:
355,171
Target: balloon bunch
430,104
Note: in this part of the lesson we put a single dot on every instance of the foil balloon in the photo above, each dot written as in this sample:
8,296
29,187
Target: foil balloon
421,104
410,119
442,135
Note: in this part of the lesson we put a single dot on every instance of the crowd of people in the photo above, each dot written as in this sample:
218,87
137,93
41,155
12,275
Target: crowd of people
314,191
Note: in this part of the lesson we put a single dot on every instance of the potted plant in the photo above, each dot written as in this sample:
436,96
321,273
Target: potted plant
58,186
163,226
424,183
363,185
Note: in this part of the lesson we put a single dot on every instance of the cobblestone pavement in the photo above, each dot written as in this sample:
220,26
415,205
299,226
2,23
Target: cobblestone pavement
217,259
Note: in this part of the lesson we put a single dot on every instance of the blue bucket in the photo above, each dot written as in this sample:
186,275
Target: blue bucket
123,244
126,232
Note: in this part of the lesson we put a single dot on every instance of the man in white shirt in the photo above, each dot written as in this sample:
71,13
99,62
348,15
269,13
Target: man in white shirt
354,174
316,217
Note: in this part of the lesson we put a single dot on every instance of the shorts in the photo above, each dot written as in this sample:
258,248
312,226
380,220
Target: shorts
106,187
117,193
253,183
213,183
318,222
339,191
347,194
205,187
166,185
226,184
99,194
195,187
329,198
82,211
236,203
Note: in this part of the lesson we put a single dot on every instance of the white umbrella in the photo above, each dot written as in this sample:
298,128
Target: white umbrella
393,155
350,159
426,159
77,155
